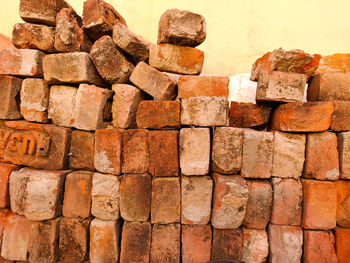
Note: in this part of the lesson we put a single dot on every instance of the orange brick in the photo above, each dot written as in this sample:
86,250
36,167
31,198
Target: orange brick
82,147
5,171
246,115
342,239
227,244
10,88
319,247
340,117
3,215
255,245
343,206
334,63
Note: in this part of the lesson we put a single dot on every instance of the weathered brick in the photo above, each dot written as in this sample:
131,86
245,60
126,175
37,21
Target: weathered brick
163,153
204,111
261,65
104,241
32,36
181,27
135,151
75,67
174,77
166,199
344,154
285,243
246,115
5,171
136,46
110,62
259,204
82,147
88,109
342,239
136,242
226,154
36,145
320,205
77,195
303,117
18,187
153,82
334,63
196,196
257,154
74,240
196,243
135,197
340,117
343,203
99,18
255,245
21,62
176,59
319,247
3,215
194,151
165,246
287,202
288,155
230,201
158,114
15,238
227,244
277,86
9,107
42,11
43,241
108,150
44,194
105,196
322,161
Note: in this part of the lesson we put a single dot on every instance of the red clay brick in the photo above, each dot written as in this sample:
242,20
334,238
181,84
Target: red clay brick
340,117
10,88
342,239
255,245
246,115
344,154
343,203
82,147
5,171
319,247
227,244
334,63
3,215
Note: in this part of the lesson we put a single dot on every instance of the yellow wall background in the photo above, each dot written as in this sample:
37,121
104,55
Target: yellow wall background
238,31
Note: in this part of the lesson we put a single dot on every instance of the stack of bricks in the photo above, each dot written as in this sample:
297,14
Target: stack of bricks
126,154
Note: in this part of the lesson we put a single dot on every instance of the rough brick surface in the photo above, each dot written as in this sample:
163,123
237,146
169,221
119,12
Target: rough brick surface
279,86
257,154
21,62
176,59
344,154
89,105
82,147
136,242
287,202
165,246
255,245
343,203
164,153
9,107
259,204
75,67
285,243
108,150
196,243
227,244
44,194
5,171
105,196
334,63
194,151
196,196
158,114
135,197
229,201
31,36
43,241
226,154
288,155
3,215
342,244
77,195
320,205
209,86
303,117
74,240
153,82
181,27
18,187
110,62
136,46
246,115
319,247
322,160
104,241
34,100
340,120
204,111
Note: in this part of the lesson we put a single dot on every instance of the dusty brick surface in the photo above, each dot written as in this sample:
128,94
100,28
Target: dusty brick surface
340,120
227,244
5,171
135,197
3,215
342,244
255,245
82,147
246,115
339,62
259,204
344,154
194,151
77,195
343,203
18,187
319,247
229,201
257,154
9,107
